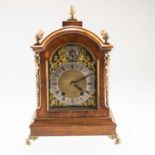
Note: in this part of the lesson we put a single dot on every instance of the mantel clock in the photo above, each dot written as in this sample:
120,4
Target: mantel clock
72,70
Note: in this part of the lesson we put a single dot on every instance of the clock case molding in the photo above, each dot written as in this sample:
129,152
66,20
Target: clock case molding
99,121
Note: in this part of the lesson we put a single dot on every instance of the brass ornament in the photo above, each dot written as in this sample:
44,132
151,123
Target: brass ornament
30,139
37,63
54,102
39,36
105,36
60,57
107,65
116,138
86,59
89,102
72,13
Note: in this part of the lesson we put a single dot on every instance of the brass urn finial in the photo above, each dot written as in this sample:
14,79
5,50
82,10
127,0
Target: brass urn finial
72,13
39,36
72,21
105,36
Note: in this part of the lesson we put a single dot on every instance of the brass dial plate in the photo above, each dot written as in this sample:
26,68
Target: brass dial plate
68,64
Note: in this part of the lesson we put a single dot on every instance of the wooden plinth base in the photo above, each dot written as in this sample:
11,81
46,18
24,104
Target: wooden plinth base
73,126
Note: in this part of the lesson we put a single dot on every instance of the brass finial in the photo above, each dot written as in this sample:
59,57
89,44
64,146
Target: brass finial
72,13
39,36
105,36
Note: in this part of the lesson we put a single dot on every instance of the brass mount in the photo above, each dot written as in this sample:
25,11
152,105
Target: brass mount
72,14
30,139
116,138
39,36
105,36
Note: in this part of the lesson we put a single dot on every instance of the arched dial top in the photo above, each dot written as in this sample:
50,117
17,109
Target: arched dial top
72,77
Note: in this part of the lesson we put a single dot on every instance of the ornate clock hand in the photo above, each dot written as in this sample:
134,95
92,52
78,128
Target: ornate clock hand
82,78
79,88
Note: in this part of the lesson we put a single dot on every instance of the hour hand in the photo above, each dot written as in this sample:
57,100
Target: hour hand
79,88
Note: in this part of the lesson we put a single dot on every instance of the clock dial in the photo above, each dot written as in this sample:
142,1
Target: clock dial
72,78
72,83
72,53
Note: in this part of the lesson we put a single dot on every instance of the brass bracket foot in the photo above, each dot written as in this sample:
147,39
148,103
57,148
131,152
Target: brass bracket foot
116,138
30,139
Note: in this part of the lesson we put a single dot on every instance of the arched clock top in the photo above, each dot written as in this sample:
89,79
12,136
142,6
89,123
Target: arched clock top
71,30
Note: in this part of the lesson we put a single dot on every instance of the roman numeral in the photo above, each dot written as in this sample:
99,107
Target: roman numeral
56,74
89,83
63,68
72,100
86,91
54,83
63,98
57,92
72,66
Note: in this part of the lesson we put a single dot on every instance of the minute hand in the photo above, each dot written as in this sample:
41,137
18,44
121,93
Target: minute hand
82,78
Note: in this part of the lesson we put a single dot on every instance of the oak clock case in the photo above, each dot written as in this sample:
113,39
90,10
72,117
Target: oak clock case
72,74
